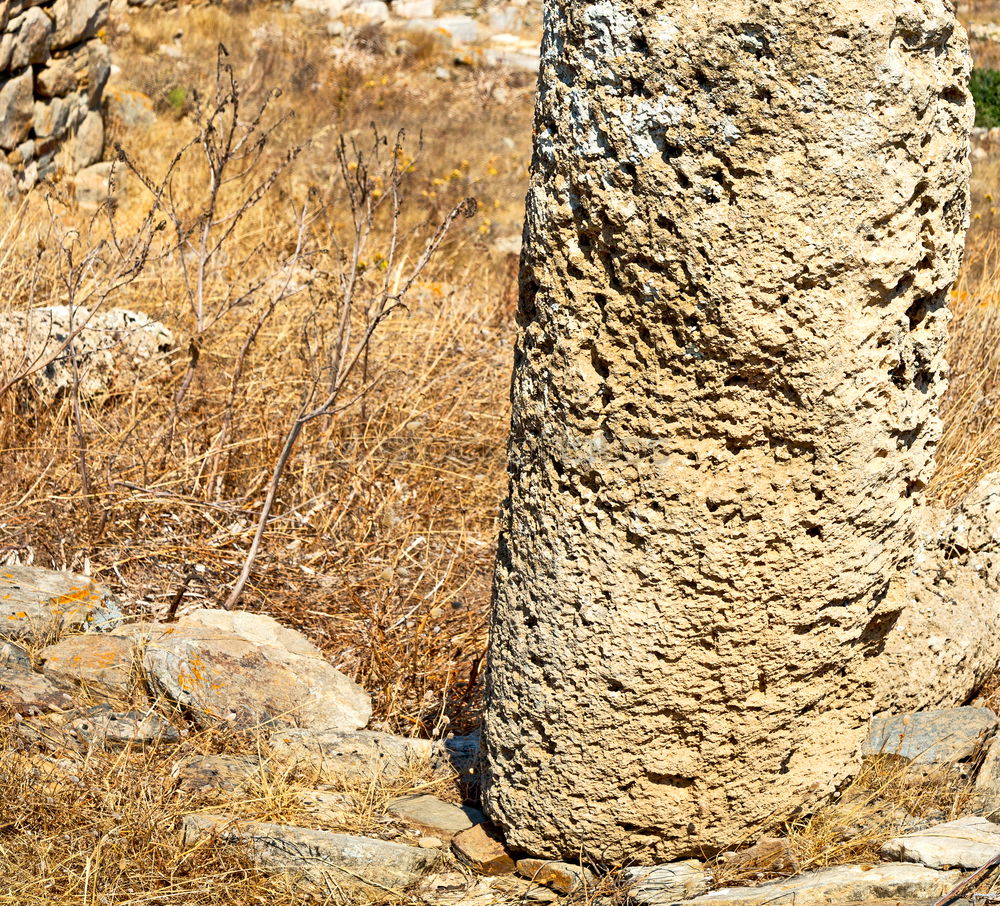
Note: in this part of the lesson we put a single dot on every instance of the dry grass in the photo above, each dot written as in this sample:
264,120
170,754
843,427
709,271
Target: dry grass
382,541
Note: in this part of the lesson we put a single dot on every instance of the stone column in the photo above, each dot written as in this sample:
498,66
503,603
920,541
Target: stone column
743,221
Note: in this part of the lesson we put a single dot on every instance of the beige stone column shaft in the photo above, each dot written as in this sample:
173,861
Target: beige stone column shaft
743,221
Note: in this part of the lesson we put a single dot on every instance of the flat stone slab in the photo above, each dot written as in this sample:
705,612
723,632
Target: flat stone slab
840,885
28,693
322,857
482,848
942,736
965,843
249,670
665,885
334,755
98,663
435,815
38,604
562,876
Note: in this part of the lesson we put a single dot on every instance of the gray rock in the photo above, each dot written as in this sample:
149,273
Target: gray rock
29,177
838,886
336,755
132,109
38,604
218,773
98,72
28,694
435,815
322,857
460,754
33,38
942,736
250,670
454,888
458,29
77,20
24,153
100,183
88,143
16,109
664,885
14,656
326,806
104,727
964,843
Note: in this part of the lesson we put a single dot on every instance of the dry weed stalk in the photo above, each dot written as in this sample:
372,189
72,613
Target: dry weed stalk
333,360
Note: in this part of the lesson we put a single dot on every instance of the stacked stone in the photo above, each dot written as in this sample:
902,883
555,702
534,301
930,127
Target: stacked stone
53,69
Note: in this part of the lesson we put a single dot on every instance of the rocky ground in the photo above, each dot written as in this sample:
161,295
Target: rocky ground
80,681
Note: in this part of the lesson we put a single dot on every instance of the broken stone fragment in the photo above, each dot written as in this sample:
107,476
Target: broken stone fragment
434,815
665,885
770,854
330,861
562,876
965,843
335,755
98,664
102,726
248,670
482,848
455,888
838,886
38,604
943,736
326,806
28,693
87,145
56,79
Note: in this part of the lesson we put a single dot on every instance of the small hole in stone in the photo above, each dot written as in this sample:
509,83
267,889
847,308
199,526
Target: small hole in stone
916,313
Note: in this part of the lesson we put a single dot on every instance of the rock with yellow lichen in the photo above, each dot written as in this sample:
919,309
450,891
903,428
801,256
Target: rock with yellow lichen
37,604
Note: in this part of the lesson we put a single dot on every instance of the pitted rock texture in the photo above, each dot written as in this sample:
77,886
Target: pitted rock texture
946,641
742,225
111,349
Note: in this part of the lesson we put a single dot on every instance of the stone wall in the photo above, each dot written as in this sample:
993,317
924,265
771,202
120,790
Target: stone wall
53,69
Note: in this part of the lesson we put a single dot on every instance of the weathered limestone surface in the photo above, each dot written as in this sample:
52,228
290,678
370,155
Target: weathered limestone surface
743,221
